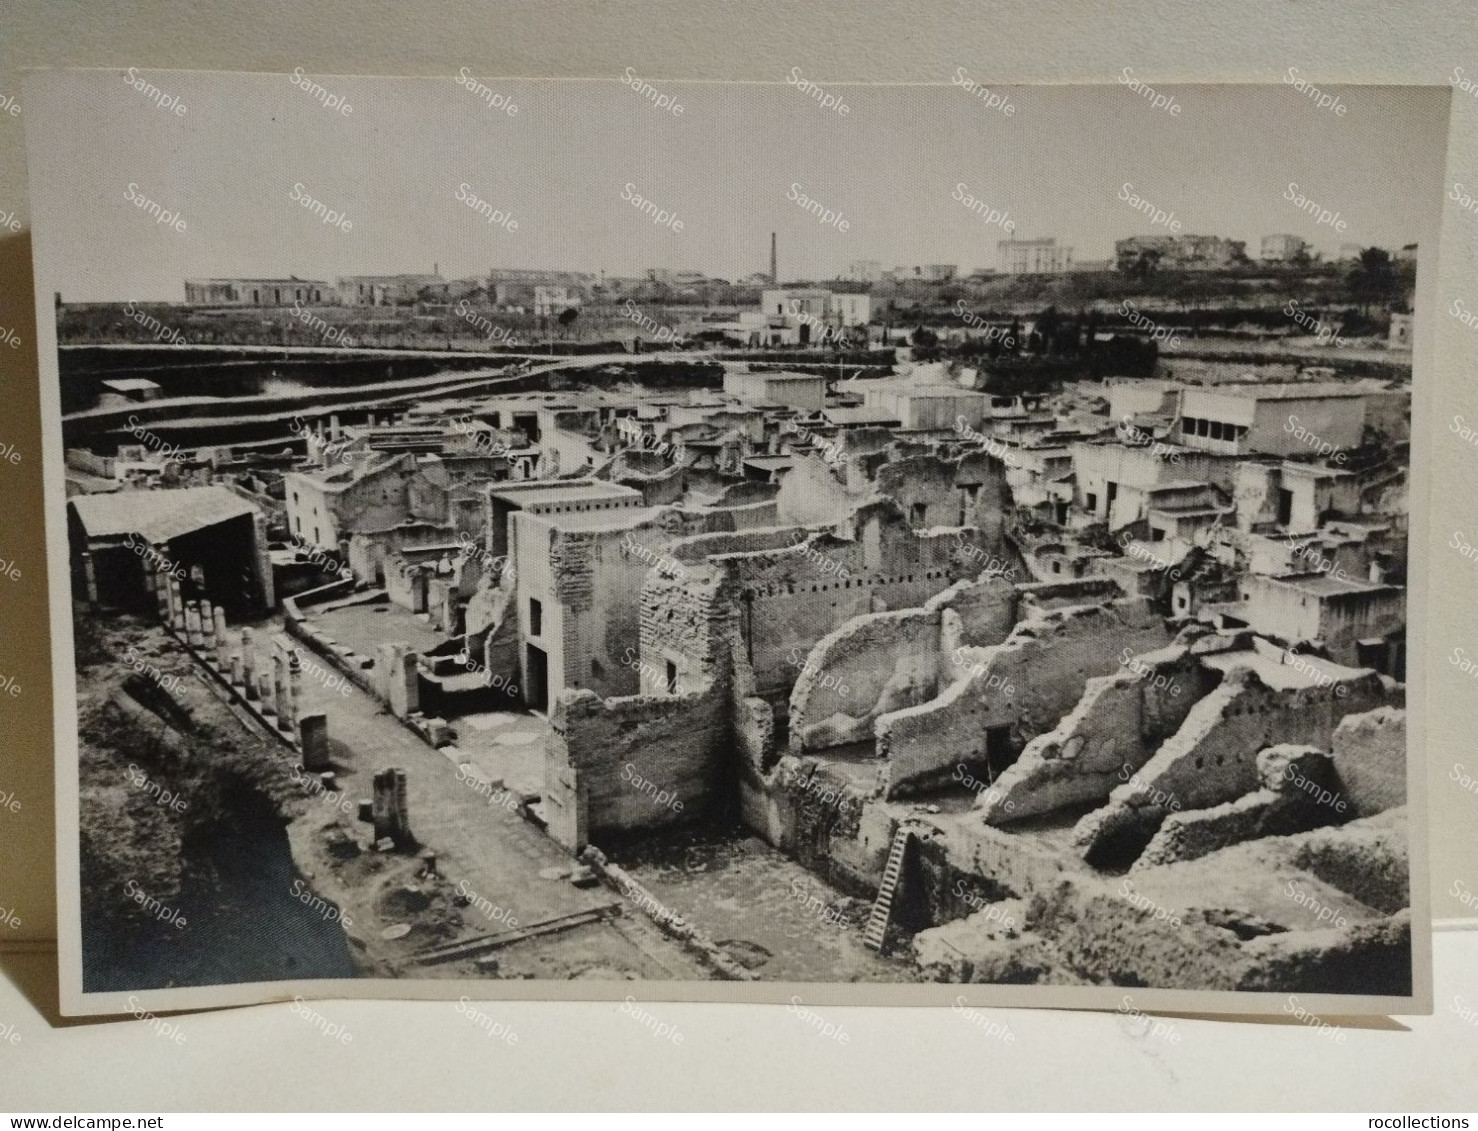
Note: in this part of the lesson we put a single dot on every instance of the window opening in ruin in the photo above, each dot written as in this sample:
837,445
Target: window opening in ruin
538,680
1000,752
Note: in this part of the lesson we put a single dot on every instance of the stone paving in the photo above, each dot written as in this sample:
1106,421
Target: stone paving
767,910
365,627
506,746
478,836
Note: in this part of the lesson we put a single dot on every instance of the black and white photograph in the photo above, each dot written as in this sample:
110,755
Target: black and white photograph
900,544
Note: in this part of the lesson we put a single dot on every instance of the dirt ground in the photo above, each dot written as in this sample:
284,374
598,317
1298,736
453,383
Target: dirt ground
776,918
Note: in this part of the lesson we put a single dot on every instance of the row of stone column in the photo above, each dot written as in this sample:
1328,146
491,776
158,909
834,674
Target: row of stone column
277,688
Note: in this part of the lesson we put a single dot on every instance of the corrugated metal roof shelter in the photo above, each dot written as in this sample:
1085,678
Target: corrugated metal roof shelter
158,516
131,385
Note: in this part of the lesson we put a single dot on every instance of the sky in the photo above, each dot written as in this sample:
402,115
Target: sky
247,145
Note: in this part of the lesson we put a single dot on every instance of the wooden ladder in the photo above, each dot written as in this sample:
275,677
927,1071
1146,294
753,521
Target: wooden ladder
882,908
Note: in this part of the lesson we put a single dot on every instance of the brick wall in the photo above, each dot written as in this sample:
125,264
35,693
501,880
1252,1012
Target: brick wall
790,598
676,743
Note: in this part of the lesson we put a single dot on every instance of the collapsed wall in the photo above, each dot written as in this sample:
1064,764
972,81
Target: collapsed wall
987,608
792,596
869,666
822,820
879,663
695,549
718,642
1009,693
1368,857
660,757
1212,758
492,630
924,488
368,548
1115,728
1299,791
1369,752
1268,915
815,492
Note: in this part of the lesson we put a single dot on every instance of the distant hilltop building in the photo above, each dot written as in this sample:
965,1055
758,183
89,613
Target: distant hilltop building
385,290
1283,248
670,278
256,292
523,287
1398,337
520,286
926,273
799,316
550,300
864,271
1033,257
532,275
1185,252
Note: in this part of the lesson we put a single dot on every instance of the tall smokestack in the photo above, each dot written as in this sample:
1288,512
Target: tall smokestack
774,270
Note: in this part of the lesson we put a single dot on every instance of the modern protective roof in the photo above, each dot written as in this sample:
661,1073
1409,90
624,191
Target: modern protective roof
158,516
553,492
1296,391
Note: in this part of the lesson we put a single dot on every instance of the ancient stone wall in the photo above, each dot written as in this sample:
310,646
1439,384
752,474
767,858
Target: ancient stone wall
816,816
1026,684
369,549
1116,726
683,621
405,582
376,499
1212,758
984,479
761,515
1287,803
1069,593
1369,858
1370,759
987,609
815,493
790,598
694,549
637,762
924,488
495,625
594,576
870,666
660,484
